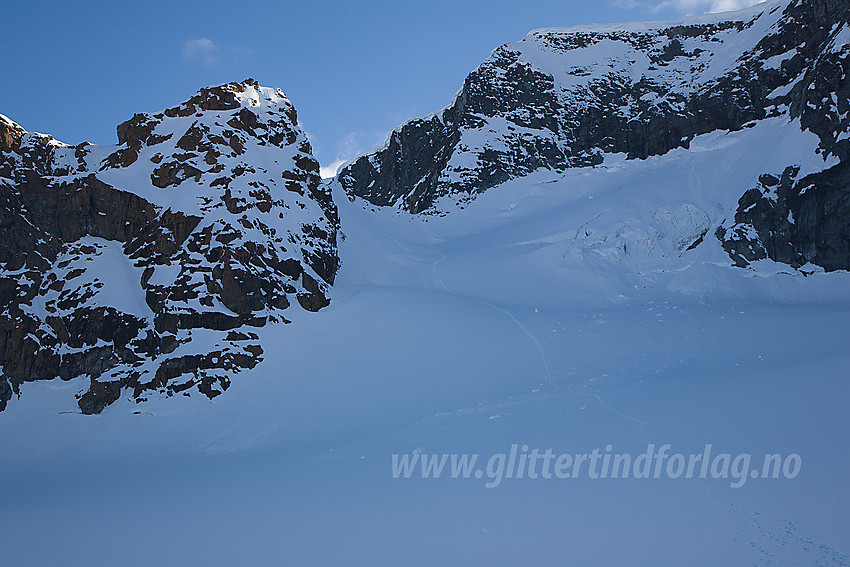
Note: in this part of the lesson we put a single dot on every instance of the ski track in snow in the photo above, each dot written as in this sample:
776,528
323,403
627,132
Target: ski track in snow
643,427
522,327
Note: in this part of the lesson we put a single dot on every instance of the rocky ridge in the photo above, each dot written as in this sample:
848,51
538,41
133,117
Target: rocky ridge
566,98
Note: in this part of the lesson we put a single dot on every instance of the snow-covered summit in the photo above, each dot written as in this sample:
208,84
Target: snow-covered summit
589,96
145,265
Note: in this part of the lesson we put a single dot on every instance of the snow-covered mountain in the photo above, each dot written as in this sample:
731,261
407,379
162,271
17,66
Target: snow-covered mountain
614,236
148,265
590,96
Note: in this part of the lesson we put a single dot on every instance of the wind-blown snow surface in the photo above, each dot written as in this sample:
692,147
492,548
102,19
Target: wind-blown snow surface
558,311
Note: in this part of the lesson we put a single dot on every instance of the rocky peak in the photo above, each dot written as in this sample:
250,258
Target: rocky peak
10,133
208,219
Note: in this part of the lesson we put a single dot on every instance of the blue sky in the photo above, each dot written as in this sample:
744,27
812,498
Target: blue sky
354,70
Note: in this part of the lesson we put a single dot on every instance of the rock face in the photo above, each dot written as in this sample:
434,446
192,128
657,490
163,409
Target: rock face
564,98
147,266
802,220
793,220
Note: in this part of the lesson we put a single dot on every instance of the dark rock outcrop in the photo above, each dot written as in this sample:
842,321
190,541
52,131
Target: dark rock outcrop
793,221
